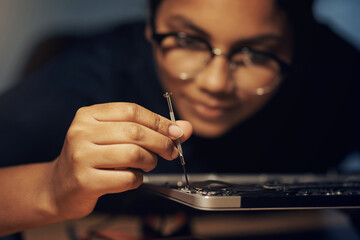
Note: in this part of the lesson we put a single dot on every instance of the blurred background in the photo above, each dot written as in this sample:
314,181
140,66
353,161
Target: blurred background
24,23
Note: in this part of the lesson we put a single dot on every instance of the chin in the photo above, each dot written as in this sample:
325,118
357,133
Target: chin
208,131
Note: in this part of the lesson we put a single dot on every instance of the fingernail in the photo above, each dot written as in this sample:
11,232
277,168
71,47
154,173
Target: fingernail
175,132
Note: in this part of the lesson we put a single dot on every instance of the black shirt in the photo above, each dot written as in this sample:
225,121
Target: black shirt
311,123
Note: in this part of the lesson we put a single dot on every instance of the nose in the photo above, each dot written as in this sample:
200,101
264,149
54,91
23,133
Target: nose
215,77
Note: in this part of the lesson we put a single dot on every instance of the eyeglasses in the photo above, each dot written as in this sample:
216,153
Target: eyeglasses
252,71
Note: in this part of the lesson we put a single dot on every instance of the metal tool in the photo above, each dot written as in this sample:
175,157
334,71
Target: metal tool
177,141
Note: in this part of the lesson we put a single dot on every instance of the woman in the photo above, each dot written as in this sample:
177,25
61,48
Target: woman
254,80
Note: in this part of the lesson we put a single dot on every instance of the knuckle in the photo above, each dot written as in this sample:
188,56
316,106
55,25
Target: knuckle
78,156
82,111
82,183
152,164
79,180
160,124
131,110
135,132
75,132
71,135
134,179
157,123
135,153
169,146
79,126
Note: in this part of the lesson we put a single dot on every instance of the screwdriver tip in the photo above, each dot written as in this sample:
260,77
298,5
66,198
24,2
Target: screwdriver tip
167,94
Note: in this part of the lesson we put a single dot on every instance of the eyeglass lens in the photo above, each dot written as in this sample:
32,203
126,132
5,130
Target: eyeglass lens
185,57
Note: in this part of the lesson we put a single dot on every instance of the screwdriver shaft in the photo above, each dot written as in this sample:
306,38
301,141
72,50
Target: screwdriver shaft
178,143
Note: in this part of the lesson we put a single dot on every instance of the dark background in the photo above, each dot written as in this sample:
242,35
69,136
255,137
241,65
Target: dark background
25,23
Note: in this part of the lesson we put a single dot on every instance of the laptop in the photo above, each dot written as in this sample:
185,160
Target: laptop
236,192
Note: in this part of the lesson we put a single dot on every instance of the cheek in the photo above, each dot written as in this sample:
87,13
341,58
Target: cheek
254,103
248,104
168,82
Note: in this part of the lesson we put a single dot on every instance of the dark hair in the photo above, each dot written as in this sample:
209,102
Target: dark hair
297,11
153,7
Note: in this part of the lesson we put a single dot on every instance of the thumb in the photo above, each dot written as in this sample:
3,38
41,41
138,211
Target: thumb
187,129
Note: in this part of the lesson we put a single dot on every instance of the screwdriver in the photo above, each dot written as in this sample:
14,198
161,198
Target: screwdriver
177,141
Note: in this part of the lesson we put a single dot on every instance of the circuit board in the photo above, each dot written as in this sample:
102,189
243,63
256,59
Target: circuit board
265,192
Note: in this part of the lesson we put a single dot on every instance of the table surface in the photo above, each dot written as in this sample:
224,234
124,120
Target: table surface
209,225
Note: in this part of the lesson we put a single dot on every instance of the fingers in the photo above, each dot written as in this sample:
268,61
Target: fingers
121,156
114,181
116,138
104,146
119,123
121,180
130,112
108,133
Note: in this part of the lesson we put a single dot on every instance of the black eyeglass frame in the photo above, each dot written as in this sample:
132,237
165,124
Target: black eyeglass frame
284,66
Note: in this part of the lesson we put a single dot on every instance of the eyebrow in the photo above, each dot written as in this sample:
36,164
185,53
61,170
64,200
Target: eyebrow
259,39
188,24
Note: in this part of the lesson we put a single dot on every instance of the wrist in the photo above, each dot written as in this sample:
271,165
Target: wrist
47,203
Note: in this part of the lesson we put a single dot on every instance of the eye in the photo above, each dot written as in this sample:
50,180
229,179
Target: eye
248,57
238,58
258,59
190,43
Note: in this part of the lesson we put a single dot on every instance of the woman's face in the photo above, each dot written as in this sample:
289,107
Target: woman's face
210,100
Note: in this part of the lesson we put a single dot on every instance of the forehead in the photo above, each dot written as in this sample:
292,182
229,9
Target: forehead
224,18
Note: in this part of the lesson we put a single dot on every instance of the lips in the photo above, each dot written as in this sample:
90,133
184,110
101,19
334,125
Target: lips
208,111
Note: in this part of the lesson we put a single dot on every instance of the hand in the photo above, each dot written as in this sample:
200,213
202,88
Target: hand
104,146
